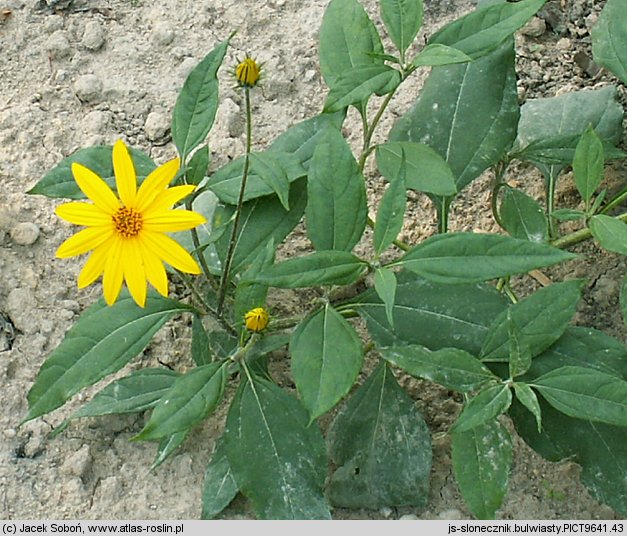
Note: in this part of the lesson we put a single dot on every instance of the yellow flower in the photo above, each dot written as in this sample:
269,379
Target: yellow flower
257,319
127,232
248,72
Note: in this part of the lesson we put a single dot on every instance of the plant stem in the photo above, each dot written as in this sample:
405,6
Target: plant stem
579,236
615,202
238,209
550,203
200,255
369,132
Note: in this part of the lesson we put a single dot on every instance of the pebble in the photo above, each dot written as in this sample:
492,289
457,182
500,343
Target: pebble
25,234
386,511
162,34
78,463
534,28
564,44
58,45
408,517
96,122
19,308
88,88
156,126
93,36
452,514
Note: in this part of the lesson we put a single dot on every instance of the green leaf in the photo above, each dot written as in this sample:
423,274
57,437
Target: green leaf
261,220
197,102
600,449
391,211
250,295
402,19
486,406
446,315
359,84
541,319
385,285
623,299
474,257
269,167
588,164
522,216
610,232
484,29
609,39
519,350
336,211
198,165
290,464
201,349
319,268
167,447
467,113
425,170
193,397
59,182
219,487
585,393
435,55
326,358
567,214
137,392
381,447
482,458
262,180
101,342
348,39
301,139
526,396
451,367
557,123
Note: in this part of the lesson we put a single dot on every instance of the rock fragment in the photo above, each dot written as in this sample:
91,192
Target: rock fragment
25,234
88,88
93,36
58,45
156,126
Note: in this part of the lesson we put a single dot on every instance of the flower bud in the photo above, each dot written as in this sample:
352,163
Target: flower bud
248,72
257,319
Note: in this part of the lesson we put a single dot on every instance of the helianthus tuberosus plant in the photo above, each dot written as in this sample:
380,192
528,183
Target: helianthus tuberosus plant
441,310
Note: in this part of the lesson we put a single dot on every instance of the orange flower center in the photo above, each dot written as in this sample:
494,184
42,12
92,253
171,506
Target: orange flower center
127,222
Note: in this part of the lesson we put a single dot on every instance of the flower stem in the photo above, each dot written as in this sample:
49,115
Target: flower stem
238,209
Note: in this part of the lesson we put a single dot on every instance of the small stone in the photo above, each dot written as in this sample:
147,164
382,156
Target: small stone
25,234
452,514
162,34
78,463
88,88
386,512
93,36
96,122
156,126
408,517
564,44
19,310
58,45
534,28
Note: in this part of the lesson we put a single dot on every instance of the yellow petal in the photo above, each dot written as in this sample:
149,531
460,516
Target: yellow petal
173,220
95,265
125,178
170,251
83,241
134,273
155,183
95,188
155,271
83,214
165,200
113,272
